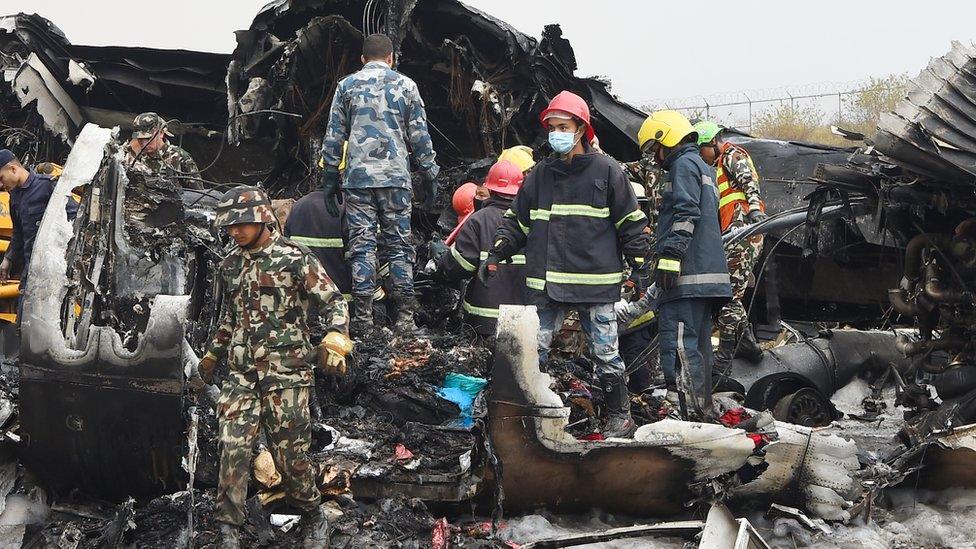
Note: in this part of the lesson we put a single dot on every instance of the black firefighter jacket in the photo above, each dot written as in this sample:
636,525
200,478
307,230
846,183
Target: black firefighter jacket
470,247
309,223
575,221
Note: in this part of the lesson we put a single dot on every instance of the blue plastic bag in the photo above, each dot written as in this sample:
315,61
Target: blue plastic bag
462,390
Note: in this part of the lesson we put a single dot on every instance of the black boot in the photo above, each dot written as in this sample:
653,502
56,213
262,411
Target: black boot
316,529
749,348
617,402
362,311
725,352
230,537
406,306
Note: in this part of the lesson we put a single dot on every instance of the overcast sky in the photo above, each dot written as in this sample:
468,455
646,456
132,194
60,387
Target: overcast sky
649,49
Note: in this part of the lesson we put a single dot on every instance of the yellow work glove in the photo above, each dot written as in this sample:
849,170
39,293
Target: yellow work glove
332,353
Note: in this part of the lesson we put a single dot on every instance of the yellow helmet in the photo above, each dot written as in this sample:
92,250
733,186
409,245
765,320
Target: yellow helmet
665,127
520,155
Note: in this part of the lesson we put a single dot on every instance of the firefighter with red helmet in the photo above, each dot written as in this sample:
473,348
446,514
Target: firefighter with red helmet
472,242
576,218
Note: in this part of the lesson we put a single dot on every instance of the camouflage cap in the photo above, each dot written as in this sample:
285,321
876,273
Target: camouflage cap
146,124
244,204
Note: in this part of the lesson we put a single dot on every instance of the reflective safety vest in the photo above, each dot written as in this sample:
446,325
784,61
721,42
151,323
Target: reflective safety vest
730,197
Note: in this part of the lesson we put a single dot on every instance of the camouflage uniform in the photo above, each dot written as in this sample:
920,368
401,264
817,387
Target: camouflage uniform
264,337
169,160
599,324
381,115
743,256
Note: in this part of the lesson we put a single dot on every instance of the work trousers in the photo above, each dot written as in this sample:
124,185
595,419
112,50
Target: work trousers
386,210
685,344
742,259
284,417
599,324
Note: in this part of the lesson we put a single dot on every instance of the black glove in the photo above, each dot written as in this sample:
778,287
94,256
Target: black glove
437,249
666,273
641,277
331,182
488,268
755,216
429,189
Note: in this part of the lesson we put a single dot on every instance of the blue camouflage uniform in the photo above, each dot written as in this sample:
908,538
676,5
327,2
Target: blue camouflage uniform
688,230
381,115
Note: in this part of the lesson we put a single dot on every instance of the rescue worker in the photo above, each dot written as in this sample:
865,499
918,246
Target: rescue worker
576,217
738,205
520,155
151,153
381,114
29,196
637,335
689,263
313,226
463,203
268,285
473,241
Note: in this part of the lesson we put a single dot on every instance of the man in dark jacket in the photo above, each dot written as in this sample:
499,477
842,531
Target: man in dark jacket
471,245
690,268
311,224
29,195
576,216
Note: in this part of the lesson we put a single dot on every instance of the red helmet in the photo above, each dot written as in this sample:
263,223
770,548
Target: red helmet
569,102
463,199
504,178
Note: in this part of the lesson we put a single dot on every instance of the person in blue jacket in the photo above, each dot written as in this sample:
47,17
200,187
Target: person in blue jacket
690,268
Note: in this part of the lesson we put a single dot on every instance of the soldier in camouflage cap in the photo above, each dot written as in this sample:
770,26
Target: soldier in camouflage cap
381,115
151,153
268,285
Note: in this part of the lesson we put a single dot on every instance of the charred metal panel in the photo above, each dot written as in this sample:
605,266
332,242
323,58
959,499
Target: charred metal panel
99,411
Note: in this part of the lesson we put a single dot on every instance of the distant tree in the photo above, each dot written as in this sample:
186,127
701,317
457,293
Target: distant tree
878,95
792,122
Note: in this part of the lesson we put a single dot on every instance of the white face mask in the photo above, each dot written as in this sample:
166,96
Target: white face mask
563,142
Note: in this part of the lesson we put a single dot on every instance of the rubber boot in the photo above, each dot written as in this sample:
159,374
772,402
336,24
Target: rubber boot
406,305
617,400
362,319
749,348
316,529
230,536
725,353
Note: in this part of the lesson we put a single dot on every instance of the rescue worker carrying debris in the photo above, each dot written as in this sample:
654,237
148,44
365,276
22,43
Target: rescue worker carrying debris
471,245
689,263
151,153
268,284
576,216
738,205
381,114
29,195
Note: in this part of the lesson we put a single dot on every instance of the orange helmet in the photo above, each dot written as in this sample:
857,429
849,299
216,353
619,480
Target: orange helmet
463,199
504,178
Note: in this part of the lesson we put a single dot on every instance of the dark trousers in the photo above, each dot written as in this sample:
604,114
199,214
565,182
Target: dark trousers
685,336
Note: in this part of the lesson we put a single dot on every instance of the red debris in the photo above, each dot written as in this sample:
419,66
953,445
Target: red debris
733,417
402,454
440,536
592,437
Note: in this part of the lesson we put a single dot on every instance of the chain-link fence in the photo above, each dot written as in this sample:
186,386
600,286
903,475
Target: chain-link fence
832,101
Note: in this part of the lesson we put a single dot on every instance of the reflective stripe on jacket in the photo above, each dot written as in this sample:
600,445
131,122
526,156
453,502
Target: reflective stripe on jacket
732,196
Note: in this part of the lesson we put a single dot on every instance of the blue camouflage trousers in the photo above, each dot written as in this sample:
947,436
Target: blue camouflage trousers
387,211
599,324
685,347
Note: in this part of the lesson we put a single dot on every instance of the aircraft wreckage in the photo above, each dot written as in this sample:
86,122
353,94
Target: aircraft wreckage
880,237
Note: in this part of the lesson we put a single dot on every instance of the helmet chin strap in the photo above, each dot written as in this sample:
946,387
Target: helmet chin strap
257,237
